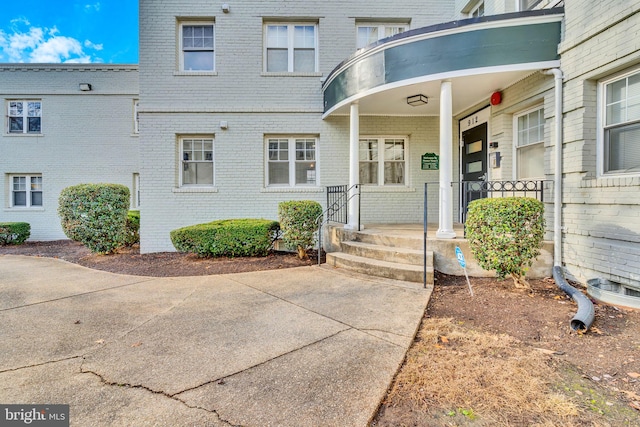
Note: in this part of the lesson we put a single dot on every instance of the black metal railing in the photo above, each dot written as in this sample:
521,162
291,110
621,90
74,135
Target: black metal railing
338,197
472,190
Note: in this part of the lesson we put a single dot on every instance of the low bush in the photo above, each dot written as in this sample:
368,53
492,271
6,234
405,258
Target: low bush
132,228
506,234
298,222
95,215
14,233
231,238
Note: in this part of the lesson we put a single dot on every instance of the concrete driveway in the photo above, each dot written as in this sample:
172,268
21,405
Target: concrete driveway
307,346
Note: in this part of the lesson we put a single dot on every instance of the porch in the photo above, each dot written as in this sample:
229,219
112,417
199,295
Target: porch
395,251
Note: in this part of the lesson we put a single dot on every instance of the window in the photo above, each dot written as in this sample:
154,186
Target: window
135,194
26,191
291,48
383,161
25,116
530,144
478,10
197,161
291,161
136,118
371,33
197,47
621,124
528,4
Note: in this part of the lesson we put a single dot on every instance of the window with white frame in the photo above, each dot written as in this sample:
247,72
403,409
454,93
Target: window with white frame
136,119
620,124
530,144
477,10
291,48
383,161
367,33
197,46
528,4
26,191
25,116
197,161
291,161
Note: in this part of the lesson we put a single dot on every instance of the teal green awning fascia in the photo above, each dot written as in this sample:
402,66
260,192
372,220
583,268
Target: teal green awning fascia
510,42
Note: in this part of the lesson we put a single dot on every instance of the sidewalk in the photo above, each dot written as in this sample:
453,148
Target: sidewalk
295,347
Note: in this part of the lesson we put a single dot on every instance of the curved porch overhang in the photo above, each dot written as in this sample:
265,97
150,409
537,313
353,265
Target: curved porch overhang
479,56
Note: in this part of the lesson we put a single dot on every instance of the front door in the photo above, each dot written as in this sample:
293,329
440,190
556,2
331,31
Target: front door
474,164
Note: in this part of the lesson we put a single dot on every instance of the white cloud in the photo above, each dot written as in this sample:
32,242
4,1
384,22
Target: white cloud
37,44
92,7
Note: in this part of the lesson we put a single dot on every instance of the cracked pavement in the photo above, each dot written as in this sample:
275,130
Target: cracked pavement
305,346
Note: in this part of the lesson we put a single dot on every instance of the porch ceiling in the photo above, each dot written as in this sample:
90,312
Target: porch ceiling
479,56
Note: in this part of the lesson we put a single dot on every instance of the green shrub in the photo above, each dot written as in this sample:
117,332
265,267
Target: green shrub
132,228
505,234
298,222
231,238
14,233
95,215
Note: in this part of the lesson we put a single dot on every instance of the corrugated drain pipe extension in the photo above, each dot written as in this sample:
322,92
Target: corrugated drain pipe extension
585,314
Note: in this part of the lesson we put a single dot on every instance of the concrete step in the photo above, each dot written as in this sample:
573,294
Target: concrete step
387,239
396,254
375,267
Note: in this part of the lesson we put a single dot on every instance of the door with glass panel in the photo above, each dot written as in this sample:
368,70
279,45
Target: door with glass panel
474,164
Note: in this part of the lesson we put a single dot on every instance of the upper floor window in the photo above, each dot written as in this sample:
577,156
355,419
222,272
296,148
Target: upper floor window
291,161
197,46
291,48
528,4
25,116
136,119
368,33
477,10
620,124
197,161
383,161
26,191
530,144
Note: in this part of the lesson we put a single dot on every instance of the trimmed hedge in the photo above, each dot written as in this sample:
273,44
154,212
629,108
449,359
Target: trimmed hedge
95,215
230,238
14,233
298,222
132,228
506,234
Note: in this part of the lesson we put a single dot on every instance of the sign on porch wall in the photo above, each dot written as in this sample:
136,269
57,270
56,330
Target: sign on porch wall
430,161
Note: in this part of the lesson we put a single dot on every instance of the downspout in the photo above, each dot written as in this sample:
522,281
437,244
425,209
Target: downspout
585,315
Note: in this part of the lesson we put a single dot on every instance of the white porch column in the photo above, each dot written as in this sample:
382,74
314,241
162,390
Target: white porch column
354,166
445,224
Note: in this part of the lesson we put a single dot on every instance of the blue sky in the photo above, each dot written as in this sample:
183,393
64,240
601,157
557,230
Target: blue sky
69,31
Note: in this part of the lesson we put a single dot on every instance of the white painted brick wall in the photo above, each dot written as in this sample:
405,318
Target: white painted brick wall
86,136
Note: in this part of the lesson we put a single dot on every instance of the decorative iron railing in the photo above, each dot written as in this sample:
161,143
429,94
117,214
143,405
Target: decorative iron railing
338,197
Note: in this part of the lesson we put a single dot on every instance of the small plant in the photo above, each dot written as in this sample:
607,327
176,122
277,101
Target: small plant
132,228
506,234
298,222
14,233
95,215
231,237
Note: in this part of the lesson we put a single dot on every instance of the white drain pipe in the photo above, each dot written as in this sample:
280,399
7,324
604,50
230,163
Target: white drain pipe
557,199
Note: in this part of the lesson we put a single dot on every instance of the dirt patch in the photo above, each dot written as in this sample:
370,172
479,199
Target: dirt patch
162,264
508,357
504,357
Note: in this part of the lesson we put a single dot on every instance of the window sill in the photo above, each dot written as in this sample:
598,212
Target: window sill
292,190
195,73
611,181
24,135
386,189
195,190
23,209
266,74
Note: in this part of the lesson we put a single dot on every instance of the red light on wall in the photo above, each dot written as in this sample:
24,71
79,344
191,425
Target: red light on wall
496,98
